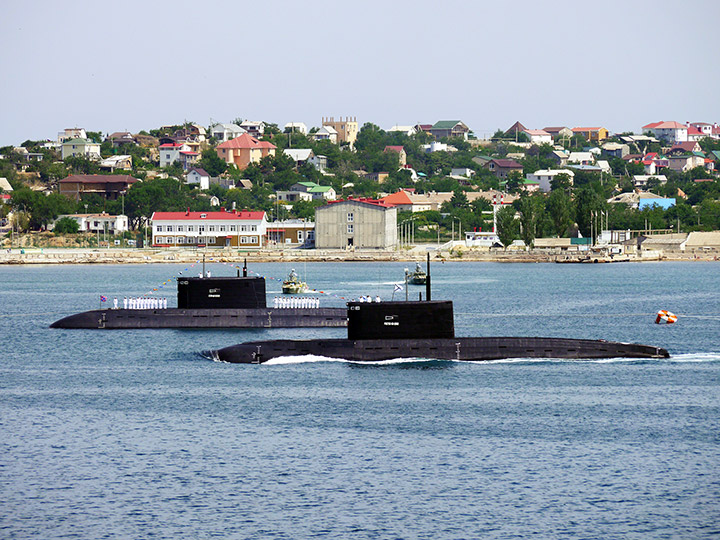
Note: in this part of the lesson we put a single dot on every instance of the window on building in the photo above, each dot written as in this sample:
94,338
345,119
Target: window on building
169,228
351,217
222,228
158,228
191,228
233,228
211,228
253,228
181,228
350,228
201,228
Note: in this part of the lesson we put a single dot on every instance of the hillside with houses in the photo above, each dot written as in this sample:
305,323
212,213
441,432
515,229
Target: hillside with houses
251,185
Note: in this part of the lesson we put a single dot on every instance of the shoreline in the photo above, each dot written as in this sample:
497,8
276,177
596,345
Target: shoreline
28,256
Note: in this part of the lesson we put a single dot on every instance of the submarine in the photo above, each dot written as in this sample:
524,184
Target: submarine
211,302
424,329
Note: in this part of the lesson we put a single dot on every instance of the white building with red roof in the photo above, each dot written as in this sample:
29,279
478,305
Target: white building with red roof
181,152
538,136
668,131
244,229
707,129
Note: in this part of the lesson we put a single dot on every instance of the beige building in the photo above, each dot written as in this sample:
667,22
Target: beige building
356,223
244,150
347,130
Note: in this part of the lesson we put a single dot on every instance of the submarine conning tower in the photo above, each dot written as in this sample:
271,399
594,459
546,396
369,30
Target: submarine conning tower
221,292
401,320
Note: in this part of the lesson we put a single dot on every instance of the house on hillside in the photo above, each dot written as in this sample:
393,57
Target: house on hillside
641,180
326,133
583,158
295,127
516,129
299,155
400,151
198,177
120,138
346,130
315,190
108,186
668,131
407,130
113,163
226,132
616,150
356,223
593,134
449,129
180,152
244,150
538,136
683,163
501,168
254,128
84,148
71,133
559,132
545,177
688,147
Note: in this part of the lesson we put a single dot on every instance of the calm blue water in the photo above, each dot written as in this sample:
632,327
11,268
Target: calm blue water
132,434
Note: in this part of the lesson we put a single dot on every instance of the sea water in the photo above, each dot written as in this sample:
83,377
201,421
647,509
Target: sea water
134,434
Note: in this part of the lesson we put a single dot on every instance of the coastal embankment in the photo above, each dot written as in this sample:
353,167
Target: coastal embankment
179,255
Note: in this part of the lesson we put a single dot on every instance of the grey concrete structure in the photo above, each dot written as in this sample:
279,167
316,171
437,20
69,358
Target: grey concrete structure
351,224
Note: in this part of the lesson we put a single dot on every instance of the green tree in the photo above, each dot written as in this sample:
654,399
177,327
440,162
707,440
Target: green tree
213,164
530,208
514,181
508,228
561,181
559,206
66,225
588,203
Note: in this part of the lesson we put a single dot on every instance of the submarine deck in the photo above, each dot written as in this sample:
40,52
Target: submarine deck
113,319
466,349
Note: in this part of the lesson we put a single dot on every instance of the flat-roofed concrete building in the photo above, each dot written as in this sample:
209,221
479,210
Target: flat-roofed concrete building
356,224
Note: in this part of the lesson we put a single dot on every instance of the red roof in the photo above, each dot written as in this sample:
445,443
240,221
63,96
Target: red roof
581,129
246,141
99,179
397,149
170,145
235,215
685,146
397,198
692,130
363,200
507,163
665,125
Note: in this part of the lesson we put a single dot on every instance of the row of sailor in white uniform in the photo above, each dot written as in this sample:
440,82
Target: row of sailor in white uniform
142,302
296,302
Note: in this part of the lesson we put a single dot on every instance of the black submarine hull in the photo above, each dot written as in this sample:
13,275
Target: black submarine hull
463,349
115,319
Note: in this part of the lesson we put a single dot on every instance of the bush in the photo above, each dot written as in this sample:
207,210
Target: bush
66,225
